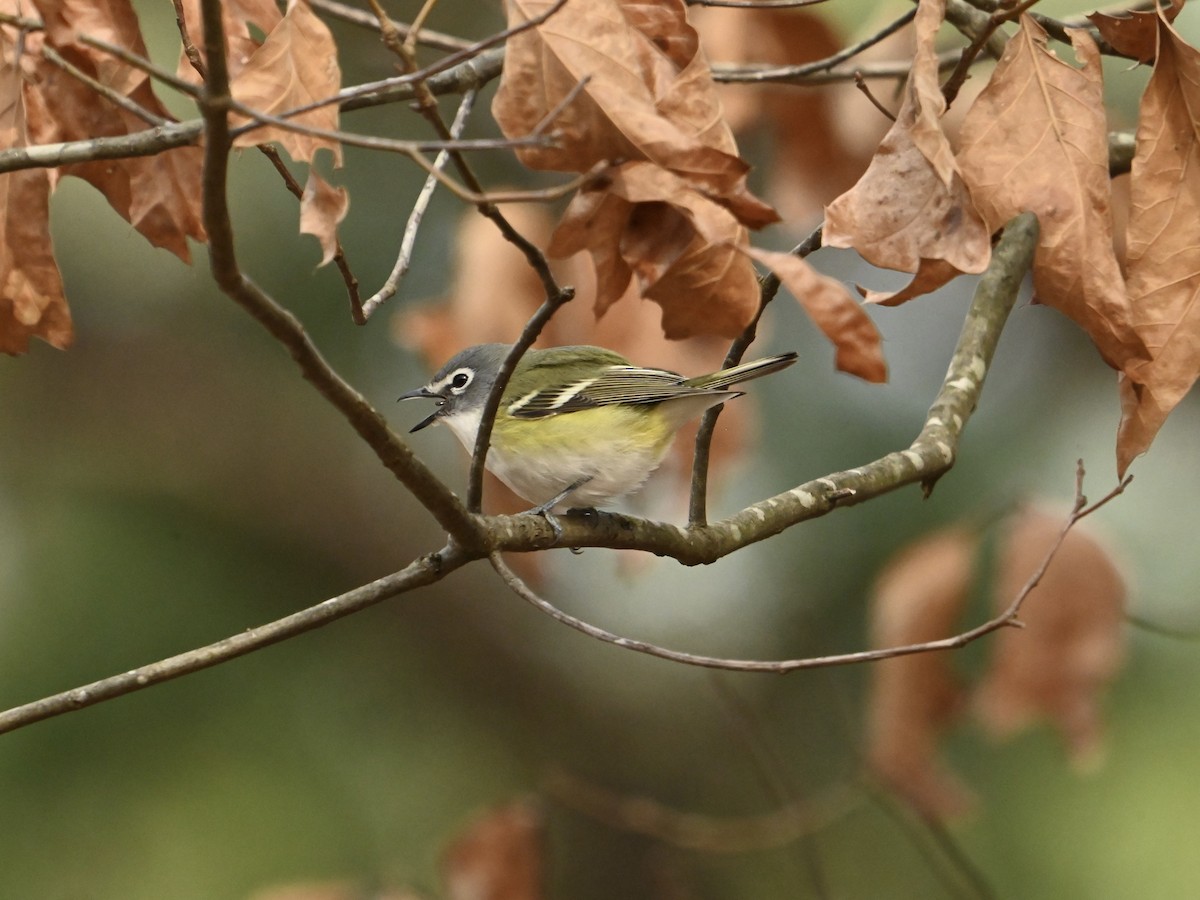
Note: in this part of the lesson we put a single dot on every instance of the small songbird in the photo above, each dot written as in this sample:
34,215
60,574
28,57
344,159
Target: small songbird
577,426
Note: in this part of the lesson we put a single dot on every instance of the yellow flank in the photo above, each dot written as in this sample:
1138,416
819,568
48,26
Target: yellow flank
607,429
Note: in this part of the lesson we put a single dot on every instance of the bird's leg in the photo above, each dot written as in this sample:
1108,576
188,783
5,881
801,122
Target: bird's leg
544,509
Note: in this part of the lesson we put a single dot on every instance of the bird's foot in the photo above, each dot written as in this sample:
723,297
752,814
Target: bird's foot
543,510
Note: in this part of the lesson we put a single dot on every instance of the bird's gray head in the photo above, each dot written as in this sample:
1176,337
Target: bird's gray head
461,386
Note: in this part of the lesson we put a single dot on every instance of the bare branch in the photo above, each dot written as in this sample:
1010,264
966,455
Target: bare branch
1007,618
420,572
959,76
339,255
768,288
409,239
350,14
394,453
861,84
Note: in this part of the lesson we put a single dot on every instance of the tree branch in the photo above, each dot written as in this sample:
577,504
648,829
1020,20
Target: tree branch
394,453
1008,618
420,572
929,456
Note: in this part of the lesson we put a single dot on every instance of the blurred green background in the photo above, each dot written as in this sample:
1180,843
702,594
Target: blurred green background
171,480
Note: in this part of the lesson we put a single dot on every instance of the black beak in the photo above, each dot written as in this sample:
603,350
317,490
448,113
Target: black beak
424,393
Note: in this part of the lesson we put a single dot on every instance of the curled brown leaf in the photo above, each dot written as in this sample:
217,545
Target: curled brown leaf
31,289
1163,256
912,204
1036,140
834,311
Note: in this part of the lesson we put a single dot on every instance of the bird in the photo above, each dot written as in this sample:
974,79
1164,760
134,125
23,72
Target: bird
577,426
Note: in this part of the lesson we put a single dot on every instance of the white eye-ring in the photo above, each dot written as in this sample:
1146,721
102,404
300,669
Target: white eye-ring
459,380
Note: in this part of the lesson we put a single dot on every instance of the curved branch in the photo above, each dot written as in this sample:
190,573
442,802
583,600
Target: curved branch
1008,618
929,456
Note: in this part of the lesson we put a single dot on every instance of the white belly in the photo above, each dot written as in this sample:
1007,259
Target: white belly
613,467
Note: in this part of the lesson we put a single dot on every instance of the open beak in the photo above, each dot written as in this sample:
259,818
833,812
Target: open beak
424,393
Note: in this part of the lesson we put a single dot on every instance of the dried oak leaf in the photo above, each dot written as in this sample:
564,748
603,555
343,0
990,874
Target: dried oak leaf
322,209
499,857
32,303
295,66
920,596
1036,140
642,222
834,311
647,124
240,41
1073,642
159,195
1163,255
649,93
1133,32
911,207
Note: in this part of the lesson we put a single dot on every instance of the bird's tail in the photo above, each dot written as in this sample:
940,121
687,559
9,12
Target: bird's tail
744,372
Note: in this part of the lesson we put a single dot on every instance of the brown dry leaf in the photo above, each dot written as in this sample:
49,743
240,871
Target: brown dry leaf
296,65
911,204
1133,33
834,311
322,208
240,42
650,95
920,596
499,857
645,223
32,303
1036,140
1073,643
931,275
648,125
1163,256
158,195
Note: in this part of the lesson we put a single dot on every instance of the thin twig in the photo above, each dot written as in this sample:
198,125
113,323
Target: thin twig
861,84
961,71
409,239
529,334
818,72
465,55
189,47
339,254
434,39
286,122
768,288
1008,618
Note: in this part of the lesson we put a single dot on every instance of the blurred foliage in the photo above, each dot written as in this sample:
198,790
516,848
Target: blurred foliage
170,481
